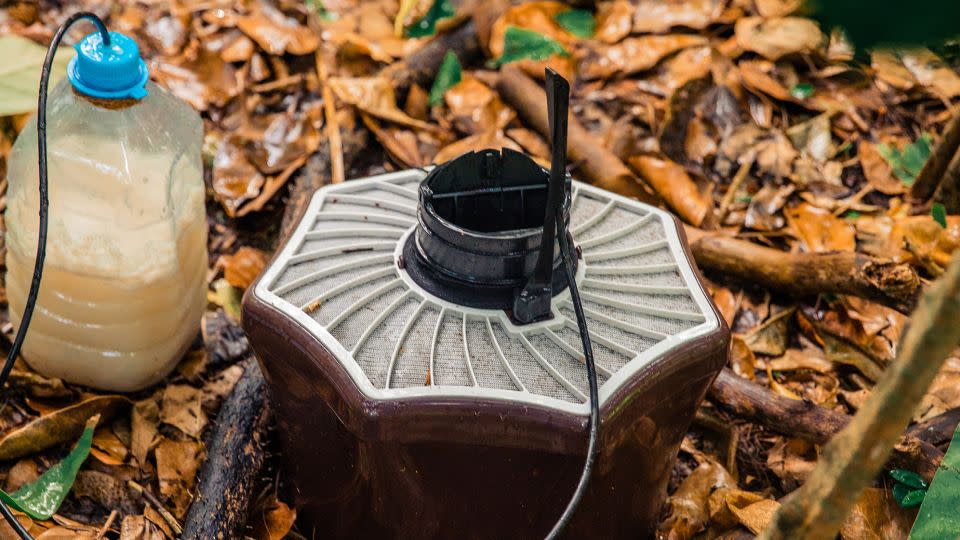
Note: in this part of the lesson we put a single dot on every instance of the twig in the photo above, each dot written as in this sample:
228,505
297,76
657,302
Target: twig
732,190
106,526
854,457
597,164
158,506
892,284
332,126
932,172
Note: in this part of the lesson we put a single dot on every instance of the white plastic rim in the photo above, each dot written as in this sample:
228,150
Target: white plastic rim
382,211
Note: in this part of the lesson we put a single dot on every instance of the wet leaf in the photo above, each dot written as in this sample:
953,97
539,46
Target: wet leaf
20,73
523,44
634,54
909,479
244,266
908,162
427,25
275,521
235,179
57,427
448,75
938,517
658,16
41,498
675,186
475,108
908,497
777,37
275,32
578,22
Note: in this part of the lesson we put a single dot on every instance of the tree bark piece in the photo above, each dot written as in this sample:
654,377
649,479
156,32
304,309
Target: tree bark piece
937,430
234,459
932,172
598,165
421,67
809,421
854,456
892,284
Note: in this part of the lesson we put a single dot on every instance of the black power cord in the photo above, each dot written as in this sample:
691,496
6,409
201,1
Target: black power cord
558,92
44,206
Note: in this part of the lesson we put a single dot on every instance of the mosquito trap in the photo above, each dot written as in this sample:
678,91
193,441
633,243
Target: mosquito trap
430,338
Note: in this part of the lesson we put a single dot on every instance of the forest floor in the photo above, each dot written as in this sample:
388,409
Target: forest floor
796,164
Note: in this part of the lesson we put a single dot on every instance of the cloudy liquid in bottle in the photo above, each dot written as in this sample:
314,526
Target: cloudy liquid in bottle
124,284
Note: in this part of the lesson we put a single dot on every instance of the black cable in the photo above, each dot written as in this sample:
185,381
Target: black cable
44,206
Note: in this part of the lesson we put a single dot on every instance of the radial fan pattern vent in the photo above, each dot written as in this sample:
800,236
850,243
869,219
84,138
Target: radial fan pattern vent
339,277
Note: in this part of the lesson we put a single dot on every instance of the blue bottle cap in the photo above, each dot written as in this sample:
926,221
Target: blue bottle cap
113,72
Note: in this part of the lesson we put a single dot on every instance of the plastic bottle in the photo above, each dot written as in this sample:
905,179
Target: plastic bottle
124,282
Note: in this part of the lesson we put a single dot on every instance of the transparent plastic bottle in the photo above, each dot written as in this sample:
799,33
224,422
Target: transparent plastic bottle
124,281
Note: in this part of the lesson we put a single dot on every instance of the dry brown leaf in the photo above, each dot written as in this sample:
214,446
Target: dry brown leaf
112,451
22,472
674,186
878,171
943,394
143,428
931,72
763,76
795,359
475,108
37,385
614,21
877,516
679,69
63,425
399,142
634,54
274,521
63,533
763,213
658,16
813,137
777,8
741,358
139,528
220,386
182,408
6,531
270,188
531,142
777,37
275,32
689,514
819,230
244,266
177,465
769,149
771,337
235,179
792,460
374,96
891,70
491,139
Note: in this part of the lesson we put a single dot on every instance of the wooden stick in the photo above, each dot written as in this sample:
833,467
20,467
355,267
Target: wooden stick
234,458
106,526
598,165
806,420
937,430
153,501
421,67
853,458
932,172
807,274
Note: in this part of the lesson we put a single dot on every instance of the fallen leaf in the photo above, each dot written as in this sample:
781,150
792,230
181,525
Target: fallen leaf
226,296
876,516
64,533
763,213
530,36
777,8
58,427
139,528
400,143
878,171
181,408
819,230
741,358
777,37
474,143
242,267
475,108
143,428
275,521
634,54
813,137
689,514
614,21
675,186
235,179
792,460
531,142
177,465
771,337
20,73
22,472
931,72
37,385
795,359
275,32
658,16
374,96
272,142
200,77
449,74
111,450
891,70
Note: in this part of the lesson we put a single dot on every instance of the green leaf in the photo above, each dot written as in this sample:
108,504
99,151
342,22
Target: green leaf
427,25
20,73
522,44
41,498
851,214
909,478
801,90
908,163
913,498
448,75
578,22
938,517
939,213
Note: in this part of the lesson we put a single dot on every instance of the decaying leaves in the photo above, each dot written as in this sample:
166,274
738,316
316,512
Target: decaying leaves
177,465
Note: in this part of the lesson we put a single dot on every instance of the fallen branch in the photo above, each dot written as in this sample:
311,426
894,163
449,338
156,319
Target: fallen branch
806,420
931,174
948,192
421,67
937,430
595,163
234,458
854,456
892,284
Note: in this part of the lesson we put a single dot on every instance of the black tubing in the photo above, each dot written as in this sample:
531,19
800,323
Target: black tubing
44,206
